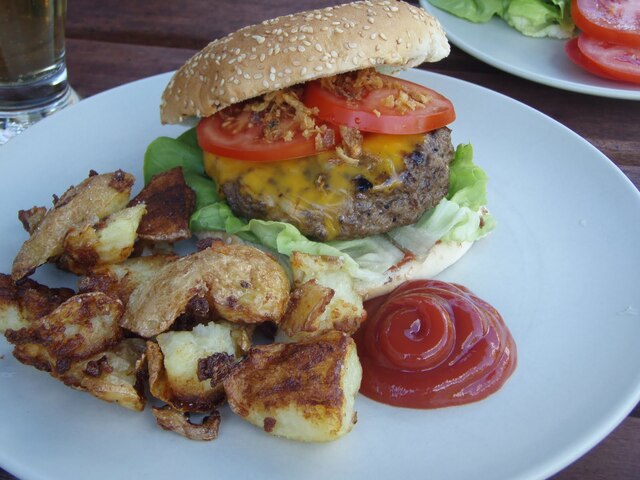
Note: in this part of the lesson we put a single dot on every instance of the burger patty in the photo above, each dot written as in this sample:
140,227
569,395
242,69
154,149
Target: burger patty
370,208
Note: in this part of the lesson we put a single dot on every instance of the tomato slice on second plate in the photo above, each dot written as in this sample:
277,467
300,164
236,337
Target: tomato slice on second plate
618,61
246,143
579,59
616,21
371,115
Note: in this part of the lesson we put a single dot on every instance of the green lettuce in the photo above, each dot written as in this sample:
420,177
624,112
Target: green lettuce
461,217
535,18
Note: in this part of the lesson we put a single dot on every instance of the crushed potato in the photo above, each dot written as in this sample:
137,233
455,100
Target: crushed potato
303,391
182,326
176,365
106,243
94,199
324,298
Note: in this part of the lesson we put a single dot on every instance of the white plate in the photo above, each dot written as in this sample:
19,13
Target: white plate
541,60
562,267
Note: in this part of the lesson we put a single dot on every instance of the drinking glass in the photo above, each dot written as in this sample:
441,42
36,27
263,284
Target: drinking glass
33,71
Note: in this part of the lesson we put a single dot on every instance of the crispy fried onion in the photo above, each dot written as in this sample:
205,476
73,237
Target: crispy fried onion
280,114
180,423
354,86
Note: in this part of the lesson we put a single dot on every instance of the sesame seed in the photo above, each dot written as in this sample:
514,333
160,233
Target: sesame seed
303,71
339,30
383,36
318,68
318,47
265,84
301,48
262,57
258,38
257,76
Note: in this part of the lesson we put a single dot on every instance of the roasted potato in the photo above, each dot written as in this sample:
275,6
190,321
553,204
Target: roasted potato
186,368
85,204
115,375
324,298
79,328
155,304
245,284
170,203
107,242
242,284
302,391
120,280
23,303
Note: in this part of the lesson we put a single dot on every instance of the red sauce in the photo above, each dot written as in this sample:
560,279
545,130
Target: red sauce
432,344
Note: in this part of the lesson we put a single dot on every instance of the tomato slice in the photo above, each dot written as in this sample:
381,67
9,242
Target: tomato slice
371,115
616,21
579,59
619,61
247,143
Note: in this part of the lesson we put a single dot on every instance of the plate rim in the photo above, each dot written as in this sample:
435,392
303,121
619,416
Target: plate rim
578,447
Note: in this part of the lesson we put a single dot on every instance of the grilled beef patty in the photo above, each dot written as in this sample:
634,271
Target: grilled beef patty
374,205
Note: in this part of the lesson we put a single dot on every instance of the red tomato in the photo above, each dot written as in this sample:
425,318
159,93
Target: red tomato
616,21
370,115
618,61
247,143
579,59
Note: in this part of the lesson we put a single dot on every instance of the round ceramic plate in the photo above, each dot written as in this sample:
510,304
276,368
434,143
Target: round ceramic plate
541,60
561,267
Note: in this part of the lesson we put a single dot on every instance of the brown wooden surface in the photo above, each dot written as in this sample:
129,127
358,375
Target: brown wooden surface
111,42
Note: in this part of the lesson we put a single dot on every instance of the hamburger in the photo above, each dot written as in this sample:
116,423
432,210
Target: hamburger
313,146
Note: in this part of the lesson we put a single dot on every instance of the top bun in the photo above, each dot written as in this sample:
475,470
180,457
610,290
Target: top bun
278,53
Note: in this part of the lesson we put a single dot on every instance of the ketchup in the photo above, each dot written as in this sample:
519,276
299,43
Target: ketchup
431,344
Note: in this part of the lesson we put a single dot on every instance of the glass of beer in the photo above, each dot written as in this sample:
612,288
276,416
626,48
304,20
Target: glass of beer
33,71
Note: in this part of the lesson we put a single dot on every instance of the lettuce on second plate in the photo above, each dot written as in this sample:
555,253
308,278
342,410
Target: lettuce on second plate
535,18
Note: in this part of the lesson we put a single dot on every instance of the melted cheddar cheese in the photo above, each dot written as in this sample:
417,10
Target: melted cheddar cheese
320,183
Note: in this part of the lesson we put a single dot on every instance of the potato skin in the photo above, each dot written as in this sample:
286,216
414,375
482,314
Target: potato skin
94,199
303,391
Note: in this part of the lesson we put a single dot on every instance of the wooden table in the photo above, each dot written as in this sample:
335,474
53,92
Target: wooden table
112,42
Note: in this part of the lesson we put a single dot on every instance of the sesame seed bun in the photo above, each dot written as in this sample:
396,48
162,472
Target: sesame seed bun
278,53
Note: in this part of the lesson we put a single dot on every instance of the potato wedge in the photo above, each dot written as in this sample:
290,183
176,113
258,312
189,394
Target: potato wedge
303,391
107,242
79,328
85,204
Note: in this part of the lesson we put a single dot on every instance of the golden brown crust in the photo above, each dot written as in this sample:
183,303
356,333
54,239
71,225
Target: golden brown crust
298,48
302,391
170,203
85,204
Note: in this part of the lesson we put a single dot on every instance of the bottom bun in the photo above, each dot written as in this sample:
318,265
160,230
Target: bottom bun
441,256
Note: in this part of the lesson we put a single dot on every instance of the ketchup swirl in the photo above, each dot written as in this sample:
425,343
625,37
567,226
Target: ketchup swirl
432,344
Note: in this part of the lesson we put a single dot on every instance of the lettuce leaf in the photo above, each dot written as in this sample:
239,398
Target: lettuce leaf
477,11
535,18
460,217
